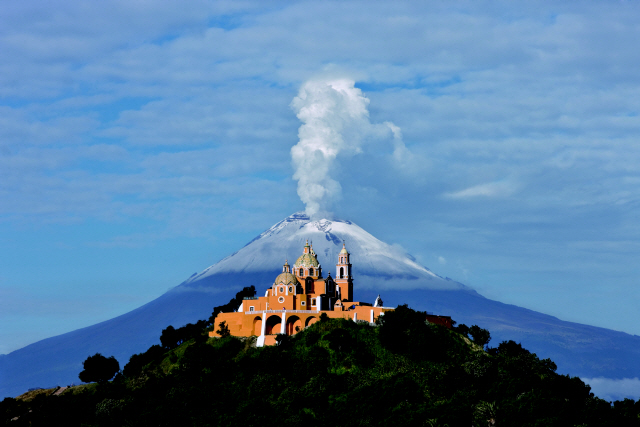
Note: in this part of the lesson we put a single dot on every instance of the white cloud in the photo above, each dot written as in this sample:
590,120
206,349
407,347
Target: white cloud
490,189
614,389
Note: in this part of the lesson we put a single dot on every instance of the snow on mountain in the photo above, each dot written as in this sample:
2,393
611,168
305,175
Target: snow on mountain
377,264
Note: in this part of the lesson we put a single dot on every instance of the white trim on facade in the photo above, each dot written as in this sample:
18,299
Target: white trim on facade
279,311
283,326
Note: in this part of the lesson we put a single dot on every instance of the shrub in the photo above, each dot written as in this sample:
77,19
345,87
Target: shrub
98,368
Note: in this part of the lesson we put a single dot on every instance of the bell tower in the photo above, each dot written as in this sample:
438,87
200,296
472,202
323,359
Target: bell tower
344,279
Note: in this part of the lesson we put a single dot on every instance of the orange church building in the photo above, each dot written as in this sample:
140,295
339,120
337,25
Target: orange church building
297,298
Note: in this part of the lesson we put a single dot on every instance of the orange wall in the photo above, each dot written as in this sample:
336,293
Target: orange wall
245,324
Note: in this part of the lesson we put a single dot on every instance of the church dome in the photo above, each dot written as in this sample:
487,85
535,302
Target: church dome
307,260
286,279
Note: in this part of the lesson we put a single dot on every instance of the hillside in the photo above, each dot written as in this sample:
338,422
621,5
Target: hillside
402,372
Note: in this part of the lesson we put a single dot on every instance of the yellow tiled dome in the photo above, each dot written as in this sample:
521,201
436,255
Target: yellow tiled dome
286,279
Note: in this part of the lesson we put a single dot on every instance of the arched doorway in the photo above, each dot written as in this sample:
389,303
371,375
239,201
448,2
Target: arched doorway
273,325
310,321
257,326
293,322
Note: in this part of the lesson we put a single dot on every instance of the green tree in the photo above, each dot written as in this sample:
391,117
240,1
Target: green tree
485,414
479,336
476,333
283,340
98,368
223,330
138,361
462,329
169,337
340,340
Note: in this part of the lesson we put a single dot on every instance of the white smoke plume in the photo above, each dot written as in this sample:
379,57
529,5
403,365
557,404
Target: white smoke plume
335,122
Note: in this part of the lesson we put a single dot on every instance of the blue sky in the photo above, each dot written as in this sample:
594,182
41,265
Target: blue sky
142,141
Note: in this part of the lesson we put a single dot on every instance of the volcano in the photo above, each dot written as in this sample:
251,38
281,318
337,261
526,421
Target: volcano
378,268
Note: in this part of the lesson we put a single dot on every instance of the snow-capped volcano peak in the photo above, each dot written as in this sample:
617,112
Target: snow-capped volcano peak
377,264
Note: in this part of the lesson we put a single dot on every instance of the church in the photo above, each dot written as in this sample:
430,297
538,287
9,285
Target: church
297,298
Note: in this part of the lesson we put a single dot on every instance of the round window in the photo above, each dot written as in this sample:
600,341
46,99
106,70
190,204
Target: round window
290,289
281,289
281,299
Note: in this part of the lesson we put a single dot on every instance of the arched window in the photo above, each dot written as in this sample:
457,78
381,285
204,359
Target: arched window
302,272
290,289
311,271
330,287
341,272
308,285
281,290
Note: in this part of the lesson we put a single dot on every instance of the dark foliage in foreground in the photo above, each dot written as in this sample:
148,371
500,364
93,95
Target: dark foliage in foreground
402,372
99,368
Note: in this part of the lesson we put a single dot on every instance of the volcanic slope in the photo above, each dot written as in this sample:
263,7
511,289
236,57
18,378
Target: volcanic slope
579,350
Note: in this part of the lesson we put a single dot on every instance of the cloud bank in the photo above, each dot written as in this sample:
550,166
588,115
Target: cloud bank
614,389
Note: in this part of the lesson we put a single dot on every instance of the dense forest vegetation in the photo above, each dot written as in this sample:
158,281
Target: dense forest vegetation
400,372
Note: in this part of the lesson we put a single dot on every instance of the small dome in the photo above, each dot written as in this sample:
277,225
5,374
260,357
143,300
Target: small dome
286,279
344,250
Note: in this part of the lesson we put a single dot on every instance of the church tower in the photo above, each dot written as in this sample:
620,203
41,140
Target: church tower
344,279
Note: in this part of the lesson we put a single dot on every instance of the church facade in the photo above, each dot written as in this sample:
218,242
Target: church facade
297,298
